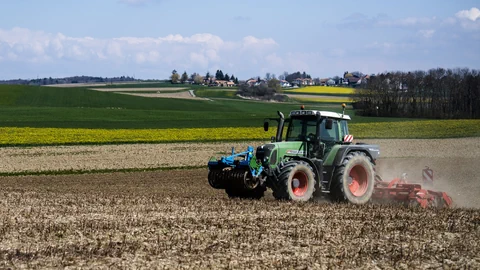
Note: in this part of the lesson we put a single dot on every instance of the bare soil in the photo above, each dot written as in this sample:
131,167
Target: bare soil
455,162
181,95
152,89
175,220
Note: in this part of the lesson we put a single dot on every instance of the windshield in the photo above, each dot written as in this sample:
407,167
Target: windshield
301,129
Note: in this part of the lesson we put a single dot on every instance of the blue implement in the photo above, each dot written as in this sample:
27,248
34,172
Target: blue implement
238,160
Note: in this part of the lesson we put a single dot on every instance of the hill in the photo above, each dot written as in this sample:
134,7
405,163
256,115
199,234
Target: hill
80,107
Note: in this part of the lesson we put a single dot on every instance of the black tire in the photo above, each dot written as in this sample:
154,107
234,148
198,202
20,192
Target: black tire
256,193
354,180
295,181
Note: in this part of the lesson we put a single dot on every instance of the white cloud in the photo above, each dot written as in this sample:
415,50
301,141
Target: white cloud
427,33
199,51
472,14
274,60
199,58
469,19
253,43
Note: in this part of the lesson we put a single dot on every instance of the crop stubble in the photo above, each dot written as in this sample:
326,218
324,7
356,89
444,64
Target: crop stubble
173,219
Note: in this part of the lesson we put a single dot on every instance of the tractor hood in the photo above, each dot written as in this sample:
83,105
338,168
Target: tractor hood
271,153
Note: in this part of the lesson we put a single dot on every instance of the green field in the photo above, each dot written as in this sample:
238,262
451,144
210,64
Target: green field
66,109
33,106
26,106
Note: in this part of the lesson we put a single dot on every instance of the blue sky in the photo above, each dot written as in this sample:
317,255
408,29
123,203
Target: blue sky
149,38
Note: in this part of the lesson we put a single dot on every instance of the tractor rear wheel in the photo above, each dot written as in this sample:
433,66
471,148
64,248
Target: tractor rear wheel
295,181
354,180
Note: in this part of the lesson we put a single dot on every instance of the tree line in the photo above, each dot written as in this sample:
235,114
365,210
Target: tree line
436,93
72,79
270,90
199,79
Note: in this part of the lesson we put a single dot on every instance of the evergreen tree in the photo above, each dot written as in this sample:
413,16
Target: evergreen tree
219,75
184,77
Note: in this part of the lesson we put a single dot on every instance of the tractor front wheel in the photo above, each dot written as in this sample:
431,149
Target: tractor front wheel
295,181
354,180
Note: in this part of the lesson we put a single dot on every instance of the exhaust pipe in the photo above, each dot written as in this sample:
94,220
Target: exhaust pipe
281,121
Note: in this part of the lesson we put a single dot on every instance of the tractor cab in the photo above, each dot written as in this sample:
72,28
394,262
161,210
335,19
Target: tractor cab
319,130
312,125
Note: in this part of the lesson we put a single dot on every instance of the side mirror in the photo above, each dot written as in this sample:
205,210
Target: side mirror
265,126
329,124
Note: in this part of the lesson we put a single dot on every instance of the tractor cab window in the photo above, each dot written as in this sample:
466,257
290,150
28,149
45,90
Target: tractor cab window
343,128
302,129
330,135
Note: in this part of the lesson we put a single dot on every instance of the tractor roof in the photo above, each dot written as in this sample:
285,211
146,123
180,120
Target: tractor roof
334,115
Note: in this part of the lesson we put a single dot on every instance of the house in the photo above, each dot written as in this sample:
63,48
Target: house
323,82
301,81
251,82
257,83
285,84
210,81
353,80
223,83
330,82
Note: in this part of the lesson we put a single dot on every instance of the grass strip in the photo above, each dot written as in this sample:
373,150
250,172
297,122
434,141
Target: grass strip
73,172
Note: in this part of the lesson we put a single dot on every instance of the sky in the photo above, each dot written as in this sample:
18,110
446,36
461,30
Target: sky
148,39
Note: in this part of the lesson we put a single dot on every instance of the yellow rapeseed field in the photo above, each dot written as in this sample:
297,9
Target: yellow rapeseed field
322,90
29,136
57,136
325,99
417,129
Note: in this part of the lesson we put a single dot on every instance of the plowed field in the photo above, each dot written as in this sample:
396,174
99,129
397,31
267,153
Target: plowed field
174,220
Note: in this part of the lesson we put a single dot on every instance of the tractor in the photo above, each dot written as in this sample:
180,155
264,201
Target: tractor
317,157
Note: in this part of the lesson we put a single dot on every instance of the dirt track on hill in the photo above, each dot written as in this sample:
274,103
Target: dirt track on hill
180,95
140,89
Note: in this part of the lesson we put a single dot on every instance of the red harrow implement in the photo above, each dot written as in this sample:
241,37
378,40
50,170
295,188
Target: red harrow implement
399,190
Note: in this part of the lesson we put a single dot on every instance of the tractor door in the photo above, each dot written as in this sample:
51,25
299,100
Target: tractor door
329,134
304,129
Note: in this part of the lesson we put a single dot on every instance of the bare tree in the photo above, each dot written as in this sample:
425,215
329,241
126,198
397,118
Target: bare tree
174,77
437,93
268,76
198,79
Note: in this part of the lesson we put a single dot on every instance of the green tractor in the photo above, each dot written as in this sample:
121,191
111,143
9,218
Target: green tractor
316,157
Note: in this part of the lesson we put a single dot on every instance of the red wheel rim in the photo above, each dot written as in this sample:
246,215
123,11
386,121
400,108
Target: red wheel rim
358,183
299,183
